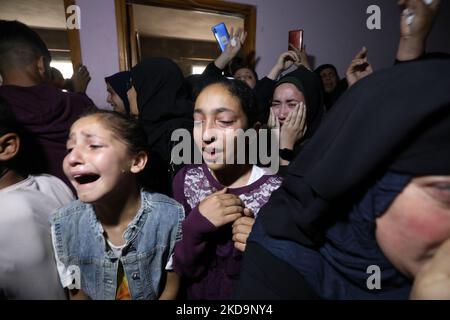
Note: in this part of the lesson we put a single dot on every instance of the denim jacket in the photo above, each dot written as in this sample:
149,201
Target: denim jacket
82,250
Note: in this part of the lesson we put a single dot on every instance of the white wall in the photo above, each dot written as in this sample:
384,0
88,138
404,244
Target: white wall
99,47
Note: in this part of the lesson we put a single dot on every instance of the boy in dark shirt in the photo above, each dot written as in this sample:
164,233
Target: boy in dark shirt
45,112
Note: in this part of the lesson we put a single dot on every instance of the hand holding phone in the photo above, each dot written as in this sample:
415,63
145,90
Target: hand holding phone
295,39
221,34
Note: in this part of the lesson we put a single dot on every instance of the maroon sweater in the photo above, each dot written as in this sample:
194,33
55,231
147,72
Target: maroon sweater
45,114
206,256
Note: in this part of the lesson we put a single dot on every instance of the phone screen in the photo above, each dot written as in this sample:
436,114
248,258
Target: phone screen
221,33
296,39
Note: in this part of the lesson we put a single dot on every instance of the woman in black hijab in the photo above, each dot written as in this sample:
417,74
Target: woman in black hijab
299,95
368,197
116,86
159,98
333,86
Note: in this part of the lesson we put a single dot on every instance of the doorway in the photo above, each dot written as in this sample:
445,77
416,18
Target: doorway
179,30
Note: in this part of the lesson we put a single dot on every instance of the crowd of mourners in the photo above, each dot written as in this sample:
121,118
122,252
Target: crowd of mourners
94,206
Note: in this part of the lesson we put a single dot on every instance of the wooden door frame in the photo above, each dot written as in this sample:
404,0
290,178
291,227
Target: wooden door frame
123,13
123,39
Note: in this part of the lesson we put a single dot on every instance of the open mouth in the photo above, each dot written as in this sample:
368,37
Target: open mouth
83,179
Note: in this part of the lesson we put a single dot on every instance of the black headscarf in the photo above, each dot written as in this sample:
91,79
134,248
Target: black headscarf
390,127
310,85
329,98
161,95
118,82
396,119
164,106
322,67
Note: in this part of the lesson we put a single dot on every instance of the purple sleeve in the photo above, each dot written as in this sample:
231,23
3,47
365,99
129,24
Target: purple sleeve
191,255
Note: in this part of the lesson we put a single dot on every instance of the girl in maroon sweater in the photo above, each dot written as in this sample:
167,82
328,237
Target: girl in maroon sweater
222,198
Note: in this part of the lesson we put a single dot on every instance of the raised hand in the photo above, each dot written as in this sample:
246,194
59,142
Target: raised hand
303,57
284,62
413,36
358,68
81,79
423,17
235,44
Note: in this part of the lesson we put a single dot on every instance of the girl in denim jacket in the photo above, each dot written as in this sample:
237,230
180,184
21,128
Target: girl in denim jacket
117,240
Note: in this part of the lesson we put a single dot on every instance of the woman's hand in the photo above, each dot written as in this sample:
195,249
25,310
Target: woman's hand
294,127
359,67
81,79
233,47
284,62
303,57
273,122
433,280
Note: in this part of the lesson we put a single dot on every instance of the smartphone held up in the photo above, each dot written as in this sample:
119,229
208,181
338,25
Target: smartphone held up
221,34
295,39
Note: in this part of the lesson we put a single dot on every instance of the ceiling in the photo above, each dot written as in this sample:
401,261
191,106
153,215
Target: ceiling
181,24
47,14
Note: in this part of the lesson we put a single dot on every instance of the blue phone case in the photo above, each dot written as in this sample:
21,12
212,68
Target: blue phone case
221,33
